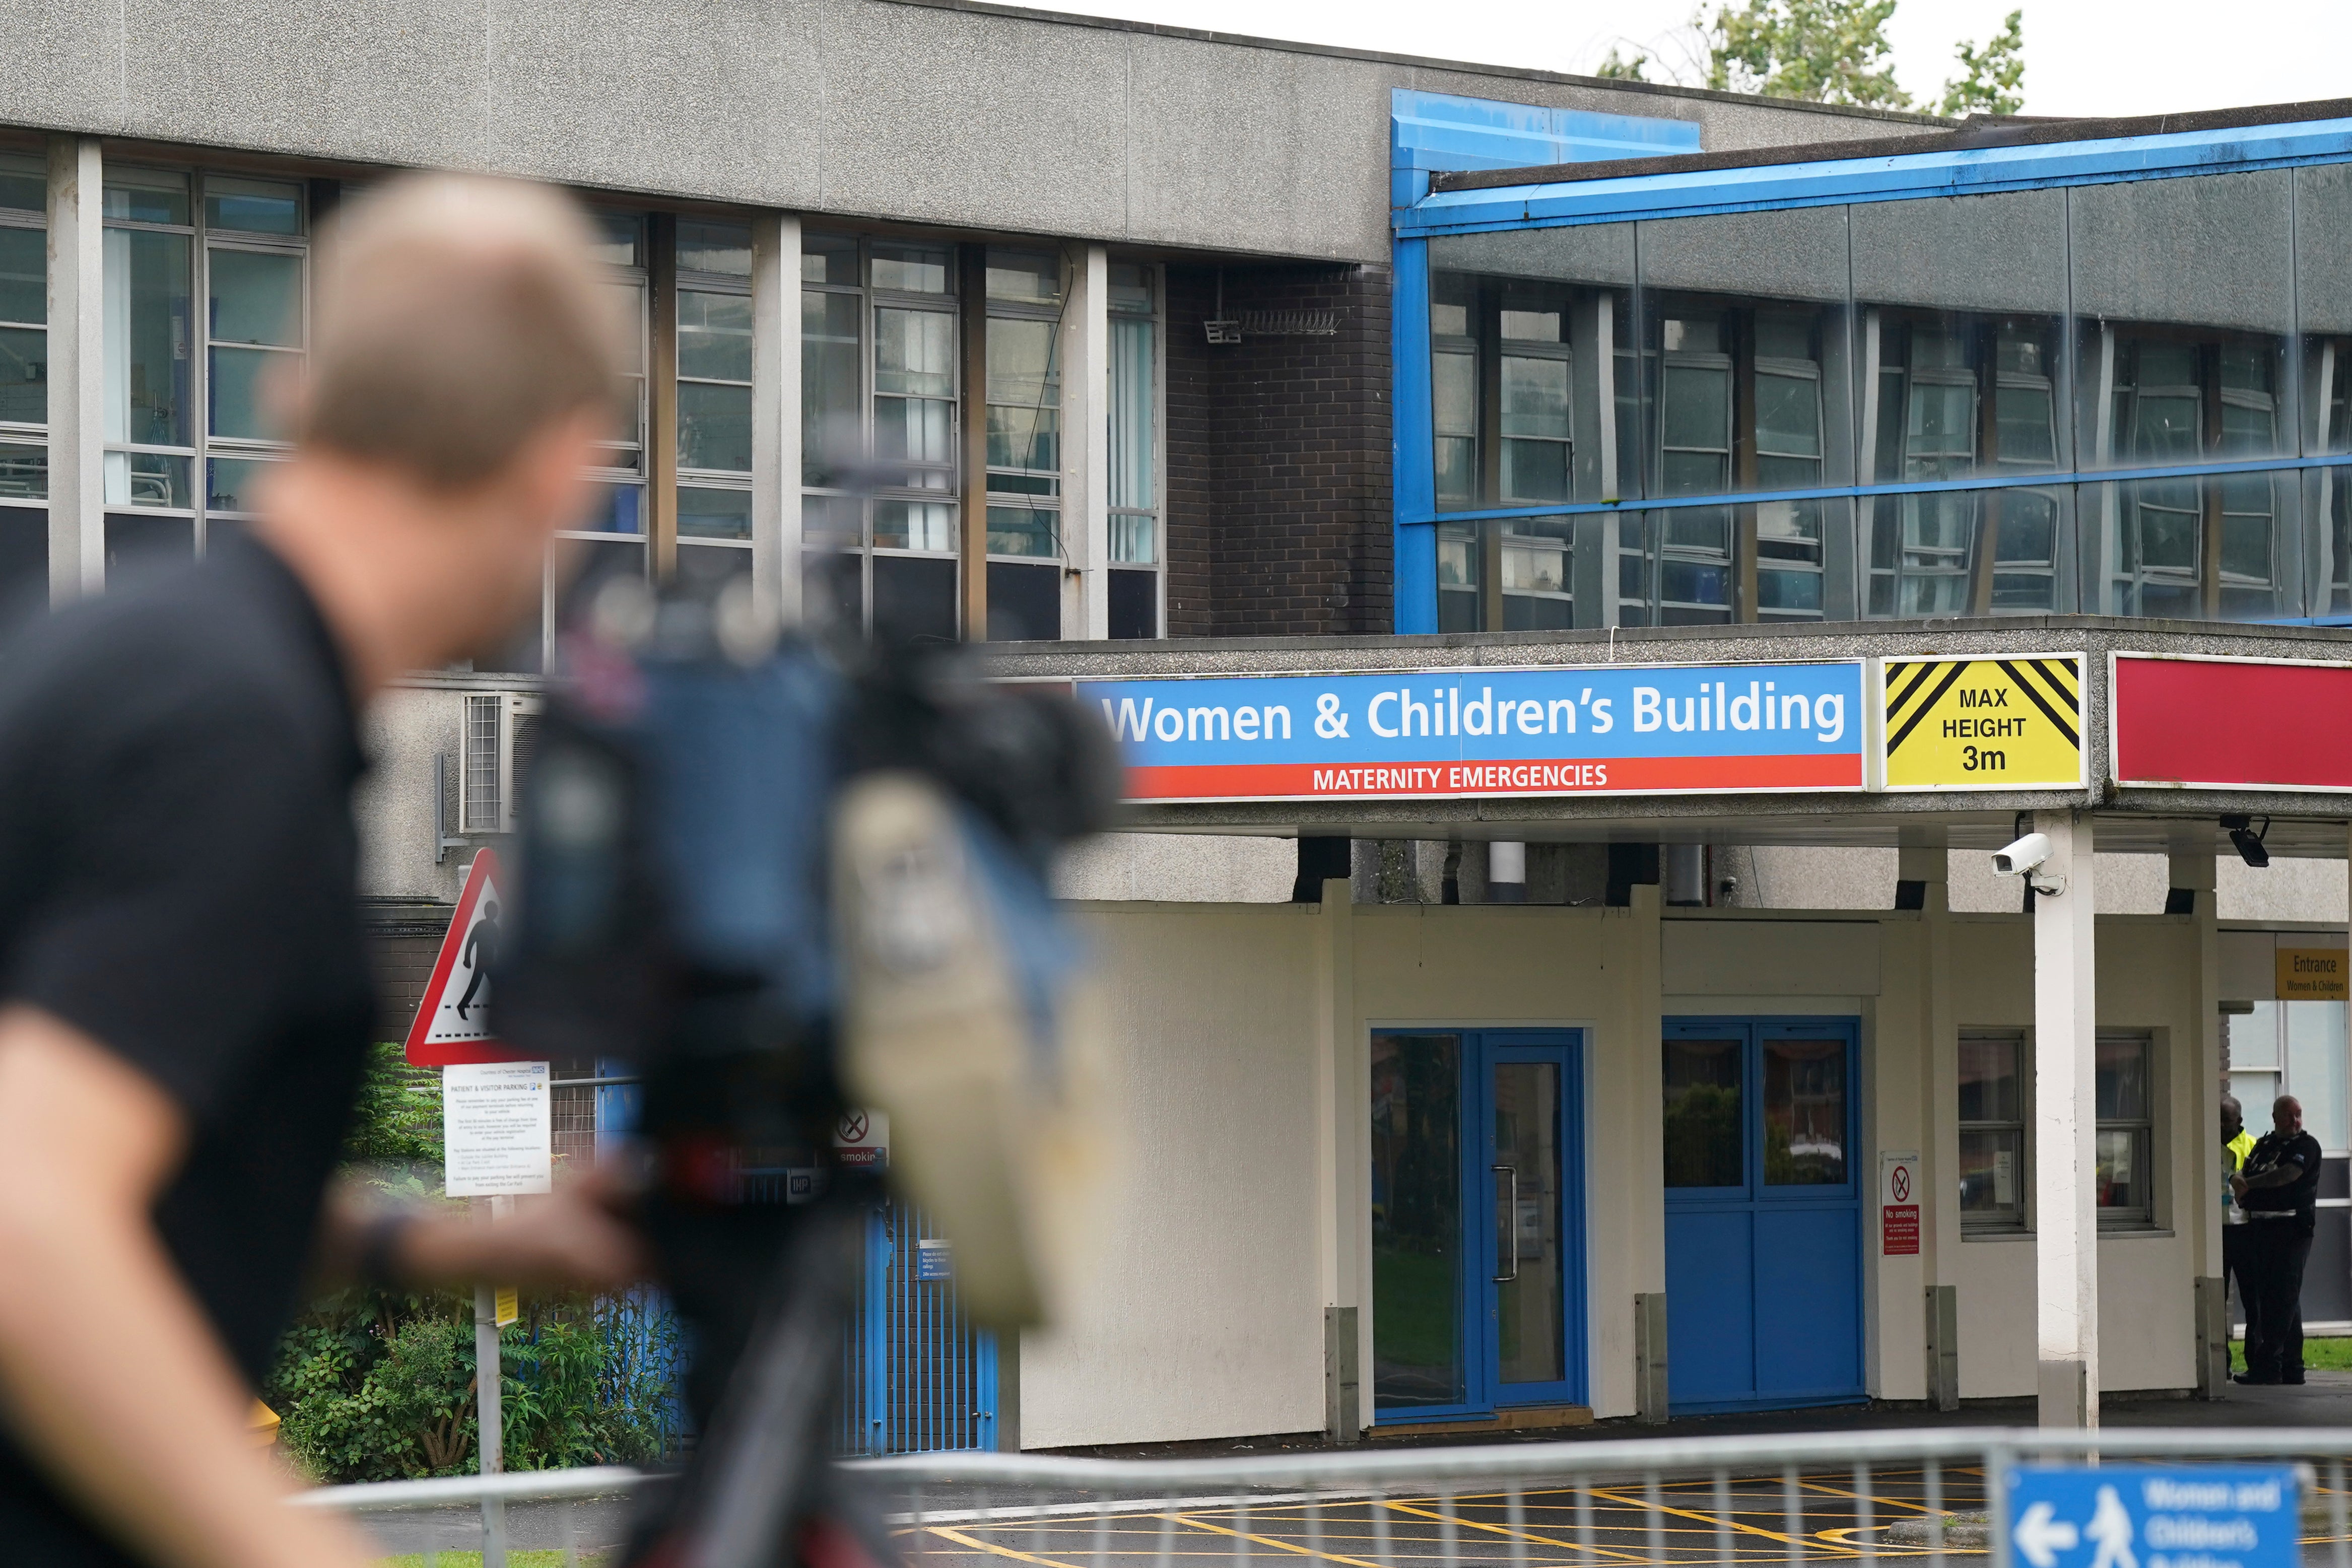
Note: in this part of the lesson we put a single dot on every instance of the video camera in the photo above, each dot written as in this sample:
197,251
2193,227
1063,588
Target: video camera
779,875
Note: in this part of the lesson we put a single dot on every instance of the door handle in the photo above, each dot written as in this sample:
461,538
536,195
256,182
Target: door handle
1513,1228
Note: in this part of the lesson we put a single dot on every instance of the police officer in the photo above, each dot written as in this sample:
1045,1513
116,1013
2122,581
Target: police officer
2276,1189
2236,1144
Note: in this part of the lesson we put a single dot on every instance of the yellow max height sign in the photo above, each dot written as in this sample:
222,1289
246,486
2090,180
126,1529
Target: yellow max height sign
2311,975
1984,724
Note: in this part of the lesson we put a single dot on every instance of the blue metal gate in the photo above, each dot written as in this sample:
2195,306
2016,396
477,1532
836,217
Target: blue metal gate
916,1377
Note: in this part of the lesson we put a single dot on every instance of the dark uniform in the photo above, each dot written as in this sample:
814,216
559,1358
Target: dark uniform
2279,1223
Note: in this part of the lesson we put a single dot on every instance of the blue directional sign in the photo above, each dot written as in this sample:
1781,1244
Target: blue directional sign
2132,1516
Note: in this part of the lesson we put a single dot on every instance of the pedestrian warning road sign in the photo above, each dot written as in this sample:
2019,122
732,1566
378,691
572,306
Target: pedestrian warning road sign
452,1021
1984,724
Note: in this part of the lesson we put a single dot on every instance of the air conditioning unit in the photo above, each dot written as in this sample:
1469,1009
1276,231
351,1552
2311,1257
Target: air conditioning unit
500,730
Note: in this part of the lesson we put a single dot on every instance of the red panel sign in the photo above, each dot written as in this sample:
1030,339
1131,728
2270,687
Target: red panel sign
2231,724
1899,1230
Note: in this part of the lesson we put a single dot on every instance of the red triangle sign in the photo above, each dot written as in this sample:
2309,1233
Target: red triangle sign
453,1022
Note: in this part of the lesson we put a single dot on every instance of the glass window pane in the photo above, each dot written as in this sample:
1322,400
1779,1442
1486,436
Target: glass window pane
620,236
1031,278
1132,287
1134,388
1416,1201
2315,1069
238,391
24,182
2122,1068
714,427
146,195
714,514
23,375
24,471
629,305
149,338
24,276
1530,1330
911,268
714,336
1134,538
2254,1041
1992,1173
148,479
2122,1178
834,522
620,510
256,206
914,351
708,246
1804,1112
828,258
1703,1140
1535,397
831,435
1695,402
1022,530
256,298
229,485
2182,290
916,431
1788,417
1988,1078
914,525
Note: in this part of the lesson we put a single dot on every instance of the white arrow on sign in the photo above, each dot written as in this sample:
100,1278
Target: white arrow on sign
2042,1536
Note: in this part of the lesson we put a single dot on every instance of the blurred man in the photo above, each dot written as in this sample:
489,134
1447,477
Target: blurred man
185,1003
2277,1189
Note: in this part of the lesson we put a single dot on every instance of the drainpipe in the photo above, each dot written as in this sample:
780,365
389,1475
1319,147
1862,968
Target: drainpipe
1686,875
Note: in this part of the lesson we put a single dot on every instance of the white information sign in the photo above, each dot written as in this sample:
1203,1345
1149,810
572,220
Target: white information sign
498,1129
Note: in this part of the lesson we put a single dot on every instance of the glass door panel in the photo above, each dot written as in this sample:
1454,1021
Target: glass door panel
1702,1095
1804,1112
1530,1336
1417,1220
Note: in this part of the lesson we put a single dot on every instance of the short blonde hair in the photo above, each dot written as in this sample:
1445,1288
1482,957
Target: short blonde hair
456,319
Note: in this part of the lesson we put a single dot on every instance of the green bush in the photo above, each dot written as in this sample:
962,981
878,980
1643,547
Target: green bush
378,1385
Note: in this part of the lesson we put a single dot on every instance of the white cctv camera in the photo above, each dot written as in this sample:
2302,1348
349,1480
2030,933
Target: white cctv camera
2026,857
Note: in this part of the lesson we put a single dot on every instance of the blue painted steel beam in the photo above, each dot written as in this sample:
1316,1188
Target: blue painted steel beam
1430,514
1955,171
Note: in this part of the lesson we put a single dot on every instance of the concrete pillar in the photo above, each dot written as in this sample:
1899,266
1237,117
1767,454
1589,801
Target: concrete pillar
776,414
1343,1213
2192,882
2066,1230
1506,871
77,255
1919,1310
1086,447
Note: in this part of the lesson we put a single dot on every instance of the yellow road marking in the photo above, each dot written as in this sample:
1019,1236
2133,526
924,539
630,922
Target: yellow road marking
1275,1541
1505,1530
1724,1520
960,1539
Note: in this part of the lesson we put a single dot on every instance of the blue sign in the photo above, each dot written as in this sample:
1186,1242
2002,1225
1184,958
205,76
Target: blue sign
934,1258
1599,729
2134,1516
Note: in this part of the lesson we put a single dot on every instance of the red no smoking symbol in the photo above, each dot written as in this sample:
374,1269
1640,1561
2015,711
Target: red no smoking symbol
1901,1184
853,1127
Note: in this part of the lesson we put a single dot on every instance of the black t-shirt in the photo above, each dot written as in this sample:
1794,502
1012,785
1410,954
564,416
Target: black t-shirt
177,880
2297,1196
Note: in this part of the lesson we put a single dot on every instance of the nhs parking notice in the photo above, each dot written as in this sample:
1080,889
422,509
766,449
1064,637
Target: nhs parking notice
2129,1516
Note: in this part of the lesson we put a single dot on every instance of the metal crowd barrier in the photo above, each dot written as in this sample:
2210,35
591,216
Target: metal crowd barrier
1602,1504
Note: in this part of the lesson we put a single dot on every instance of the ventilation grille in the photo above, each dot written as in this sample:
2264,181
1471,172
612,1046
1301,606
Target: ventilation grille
481,804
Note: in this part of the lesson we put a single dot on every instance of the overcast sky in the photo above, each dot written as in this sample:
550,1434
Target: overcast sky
2082,56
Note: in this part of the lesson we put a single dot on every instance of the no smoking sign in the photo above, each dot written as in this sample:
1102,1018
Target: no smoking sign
1898,1207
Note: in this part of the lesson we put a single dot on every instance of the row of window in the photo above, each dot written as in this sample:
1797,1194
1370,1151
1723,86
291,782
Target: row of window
189,414
2170,323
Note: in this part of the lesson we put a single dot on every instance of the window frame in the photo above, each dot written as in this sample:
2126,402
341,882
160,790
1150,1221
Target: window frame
1156,276
732,286
23,436
2015,1218
2141,1216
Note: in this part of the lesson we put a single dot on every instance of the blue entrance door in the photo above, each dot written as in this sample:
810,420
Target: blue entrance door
1477,1222
1763,1213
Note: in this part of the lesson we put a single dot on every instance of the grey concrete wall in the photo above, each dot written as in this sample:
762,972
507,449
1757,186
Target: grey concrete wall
954,114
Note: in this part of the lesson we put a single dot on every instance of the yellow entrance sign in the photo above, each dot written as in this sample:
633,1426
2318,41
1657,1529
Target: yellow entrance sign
1984,724
2311,975
507,1305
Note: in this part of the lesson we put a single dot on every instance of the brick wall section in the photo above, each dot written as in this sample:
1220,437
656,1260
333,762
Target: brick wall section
1278,511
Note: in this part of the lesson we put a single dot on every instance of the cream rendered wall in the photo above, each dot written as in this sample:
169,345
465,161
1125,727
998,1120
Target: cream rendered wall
1528,966
1204,1317
2148,977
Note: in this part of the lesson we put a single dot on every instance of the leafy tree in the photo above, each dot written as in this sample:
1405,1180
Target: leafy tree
1826,51
1992,79
1618,66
